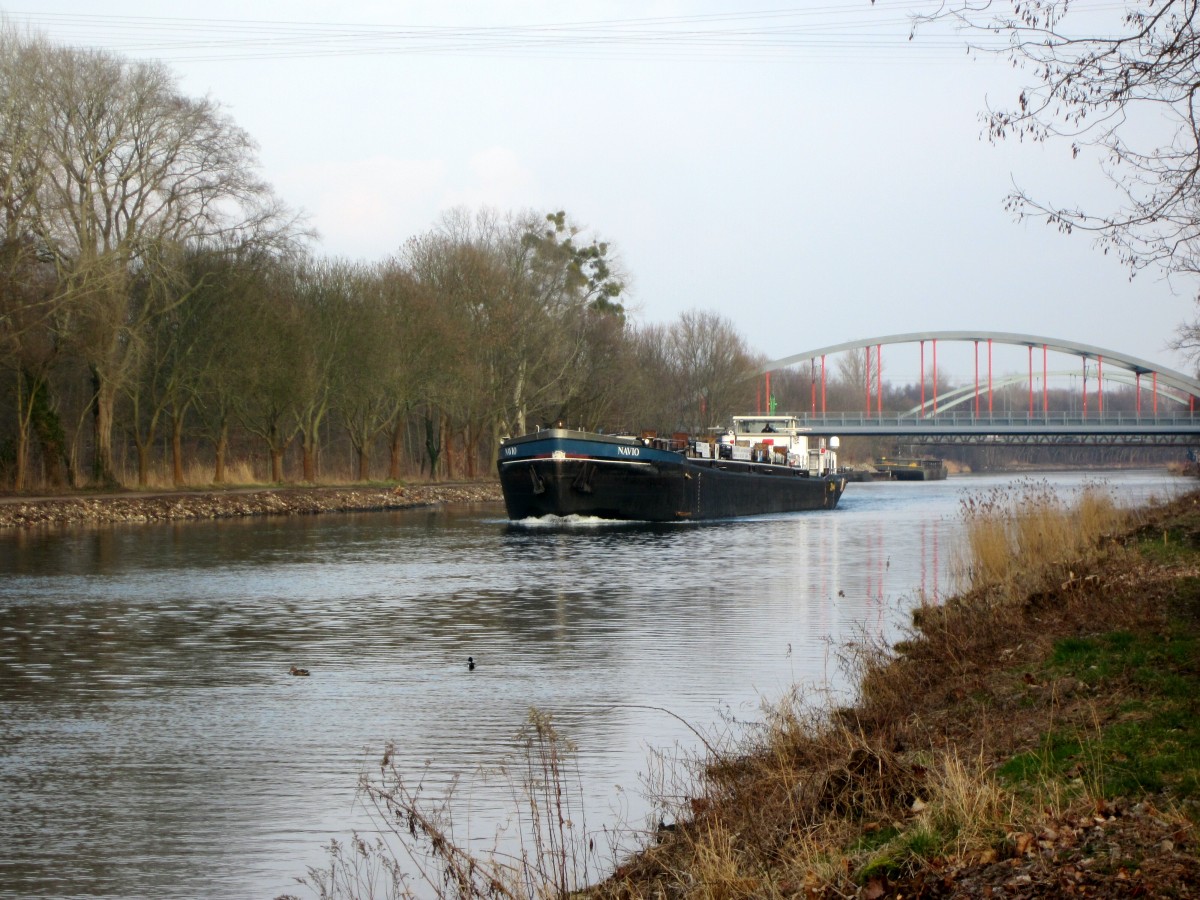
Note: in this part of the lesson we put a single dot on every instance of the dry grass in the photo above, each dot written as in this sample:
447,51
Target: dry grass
161,478
1016,537
420,853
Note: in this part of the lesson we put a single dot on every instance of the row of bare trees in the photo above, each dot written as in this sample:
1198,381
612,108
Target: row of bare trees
157,300
484,326
109,178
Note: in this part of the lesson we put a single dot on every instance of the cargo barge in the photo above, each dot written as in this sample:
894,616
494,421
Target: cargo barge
763,464
912,468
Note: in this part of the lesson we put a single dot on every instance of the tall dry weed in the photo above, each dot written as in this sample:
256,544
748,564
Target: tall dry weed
966,803
160,477
421,851
1016,536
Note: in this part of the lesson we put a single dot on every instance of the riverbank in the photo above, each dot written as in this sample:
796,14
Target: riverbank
136,508
1038,736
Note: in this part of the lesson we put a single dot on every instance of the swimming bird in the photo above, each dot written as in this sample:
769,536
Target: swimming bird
470,664
294,671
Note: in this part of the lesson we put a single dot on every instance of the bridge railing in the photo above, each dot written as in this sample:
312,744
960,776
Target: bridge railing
1008,419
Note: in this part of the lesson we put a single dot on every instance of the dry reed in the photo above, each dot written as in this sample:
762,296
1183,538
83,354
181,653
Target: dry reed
1015,537
553,857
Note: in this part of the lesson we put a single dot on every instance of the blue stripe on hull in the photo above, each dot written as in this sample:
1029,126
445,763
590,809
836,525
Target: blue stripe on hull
596,448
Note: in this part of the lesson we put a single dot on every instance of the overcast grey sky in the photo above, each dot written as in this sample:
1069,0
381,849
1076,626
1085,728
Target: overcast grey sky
804,170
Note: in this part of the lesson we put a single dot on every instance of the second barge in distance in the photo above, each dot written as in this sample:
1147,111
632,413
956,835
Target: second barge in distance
764,464
912,468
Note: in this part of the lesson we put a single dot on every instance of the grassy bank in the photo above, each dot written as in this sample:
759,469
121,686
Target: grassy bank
1036,735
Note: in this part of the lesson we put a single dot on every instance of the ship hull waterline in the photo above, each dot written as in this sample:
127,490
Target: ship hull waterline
565,475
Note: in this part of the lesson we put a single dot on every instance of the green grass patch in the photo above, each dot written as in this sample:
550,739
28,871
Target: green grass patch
1152,743
1169,546
904,851
871,841
1058,756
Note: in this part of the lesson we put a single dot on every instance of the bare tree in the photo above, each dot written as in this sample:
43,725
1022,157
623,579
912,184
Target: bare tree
131,167
529,304
858,374
269,387
1119,89
710,360
220,332
28,288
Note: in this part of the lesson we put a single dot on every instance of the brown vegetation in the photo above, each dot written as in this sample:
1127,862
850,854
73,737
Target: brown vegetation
982,757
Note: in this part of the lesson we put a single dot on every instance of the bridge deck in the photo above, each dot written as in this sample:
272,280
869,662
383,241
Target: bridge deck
1014,427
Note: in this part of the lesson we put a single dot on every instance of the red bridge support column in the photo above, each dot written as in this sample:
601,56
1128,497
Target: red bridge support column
1045,385
822,384
935,376
1031,381
977,379
989,376
879,380
922,379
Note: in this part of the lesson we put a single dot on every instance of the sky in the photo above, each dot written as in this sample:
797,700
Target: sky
804,170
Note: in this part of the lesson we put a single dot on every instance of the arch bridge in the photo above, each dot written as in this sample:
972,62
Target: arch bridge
1164,408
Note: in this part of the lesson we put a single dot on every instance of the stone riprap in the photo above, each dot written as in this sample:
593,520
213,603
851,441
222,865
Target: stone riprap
132,508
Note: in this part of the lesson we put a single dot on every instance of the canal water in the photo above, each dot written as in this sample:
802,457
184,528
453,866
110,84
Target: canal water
153,744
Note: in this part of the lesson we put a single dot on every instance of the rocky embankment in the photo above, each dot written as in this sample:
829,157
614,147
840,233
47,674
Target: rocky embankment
132,508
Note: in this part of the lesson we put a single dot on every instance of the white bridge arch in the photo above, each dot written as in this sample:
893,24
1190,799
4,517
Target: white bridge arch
1161,376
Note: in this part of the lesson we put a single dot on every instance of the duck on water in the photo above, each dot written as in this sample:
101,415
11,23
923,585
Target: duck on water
762,464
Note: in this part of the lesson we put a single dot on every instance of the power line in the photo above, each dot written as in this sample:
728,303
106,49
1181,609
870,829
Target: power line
858,33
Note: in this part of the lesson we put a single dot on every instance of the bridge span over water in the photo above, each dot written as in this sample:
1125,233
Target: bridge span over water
1164,408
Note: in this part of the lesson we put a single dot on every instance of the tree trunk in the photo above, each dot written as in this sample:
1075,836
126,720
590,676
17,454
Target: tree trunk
433,447
177,448
448,447
143,458
364,462
42,420
472,452
394,454
222,447
309,456
24,412
22,460
277,465
519,399
102,429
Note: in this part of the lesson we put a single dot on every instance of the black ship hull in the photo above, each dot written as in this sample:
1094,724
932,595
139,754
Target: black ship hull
923,468
563,473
